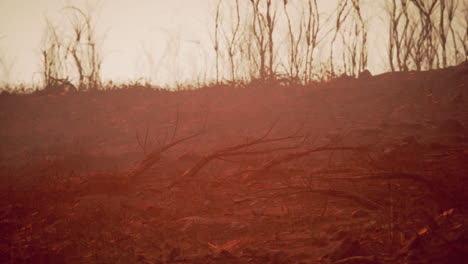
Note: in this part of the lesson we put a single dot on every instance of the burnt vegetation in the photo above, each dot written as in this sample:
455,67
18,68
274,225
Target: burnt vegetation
291,154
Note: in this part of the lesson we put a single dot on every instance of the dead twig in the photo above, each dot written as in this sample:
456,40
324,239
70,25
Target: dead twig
357,259
176,125
150,159
300,154
154,157
400,175
292,190
143,143
233,151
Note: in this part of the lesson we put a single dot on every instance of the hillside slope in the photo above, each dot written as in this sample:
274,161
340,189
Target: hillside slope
349,171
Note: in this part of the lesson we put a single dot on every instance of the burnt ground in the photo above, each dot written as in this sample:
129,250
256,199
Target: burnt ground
349,171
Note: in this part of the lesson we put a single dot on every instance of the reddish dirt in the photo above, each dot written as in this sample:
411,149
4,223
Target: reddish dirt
349,171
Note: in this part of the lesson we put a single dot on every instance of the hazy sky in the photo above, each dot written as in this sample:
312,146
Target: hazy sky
129,29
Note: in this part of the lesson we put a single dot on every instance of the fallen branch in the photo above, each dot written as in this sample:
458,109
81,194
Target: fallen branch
300,154
358,259
153,157
368,204
141,166
399,175
237,150
190,173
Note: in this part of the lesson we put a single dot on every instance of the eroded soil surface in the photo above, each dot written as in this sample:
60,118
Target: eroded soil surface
349,171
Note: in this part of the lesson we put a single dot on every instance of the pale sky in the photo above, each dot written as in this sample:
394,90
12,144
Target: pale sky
129,29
